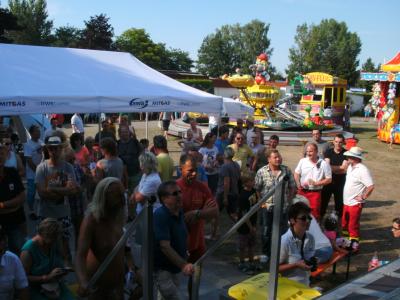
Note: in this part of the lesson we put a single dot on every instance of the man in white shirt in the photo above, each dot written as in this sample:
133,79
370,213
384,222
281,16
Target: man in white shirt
77,124
358,187
13,281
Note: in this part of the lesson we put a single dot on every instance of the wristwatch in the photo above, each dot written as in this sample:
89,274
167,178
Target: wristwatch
198,214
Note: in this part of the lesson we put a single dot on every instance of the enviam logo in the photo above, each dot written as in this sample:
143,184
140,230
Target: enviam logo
138,103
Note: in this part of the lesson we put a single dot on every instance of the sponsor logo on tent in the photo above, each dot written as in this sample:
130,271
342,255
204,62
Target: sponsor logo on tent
140,103
12,103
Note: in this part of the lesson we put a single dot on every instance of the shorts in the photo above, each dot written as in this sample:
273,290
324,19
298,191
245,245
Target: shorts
66,225
165,124
232,203
246,241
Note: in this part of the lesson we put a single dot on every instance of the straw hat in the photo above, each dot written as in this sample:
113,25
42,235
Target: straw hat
354,152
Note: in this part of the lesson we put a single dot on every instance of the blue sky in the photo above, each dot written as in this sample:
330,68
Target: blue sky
184,24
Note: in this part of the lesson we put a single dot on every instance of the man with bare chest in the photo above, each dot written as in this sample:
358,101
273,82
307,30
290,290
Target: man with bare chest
100,231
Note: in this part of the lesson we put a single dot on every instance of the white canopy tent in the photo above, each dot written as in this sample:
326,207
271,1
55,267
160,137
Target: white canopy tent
236,109
63,80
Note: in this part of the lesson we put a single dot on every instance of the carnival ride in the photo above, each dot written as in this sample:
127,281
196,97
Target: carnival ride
317,93
385,99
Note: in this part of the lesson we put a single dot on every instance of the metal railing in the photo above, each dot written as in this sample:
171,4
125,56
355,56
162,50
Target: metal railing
279,191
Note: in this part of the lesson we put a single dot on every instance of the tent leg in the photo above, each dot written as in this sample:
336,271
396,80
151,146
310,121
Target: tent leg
147,125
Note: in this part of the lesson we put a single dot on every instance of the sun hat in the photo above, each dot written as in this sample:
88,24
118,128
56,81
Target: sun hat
250,119
53,141
354,152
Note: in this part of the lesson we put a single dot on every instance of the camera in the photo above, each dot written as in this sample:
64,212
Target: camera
312,262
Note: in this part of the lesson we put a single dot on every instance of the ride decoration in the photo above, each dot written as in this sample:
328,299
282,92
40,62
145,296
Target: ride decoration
385,99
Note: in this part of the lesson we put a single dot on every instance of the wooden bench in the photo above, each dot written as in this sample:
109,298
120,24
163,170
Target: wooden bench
336,256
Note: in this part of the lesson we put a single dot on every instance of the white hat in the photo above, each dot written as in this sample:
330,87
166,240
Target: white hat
354,152
54,141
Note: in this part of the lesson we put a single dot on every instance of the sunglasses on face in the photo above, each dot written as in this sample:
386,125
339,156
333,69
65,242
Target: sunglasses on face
304,218
176,193
395,229
239,138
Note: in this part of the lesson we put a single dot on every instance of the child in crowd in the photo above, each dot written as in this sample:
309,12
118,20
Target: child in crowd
331,228
188,143
247,232
145,144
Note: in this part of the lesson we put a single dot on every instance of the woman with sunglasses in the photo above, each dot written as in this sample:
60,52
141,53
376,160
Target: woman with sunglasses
13,160
297,245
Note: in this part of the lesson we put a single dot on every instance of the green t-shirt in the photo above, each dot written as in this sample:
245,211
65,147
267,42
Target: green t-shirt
165,166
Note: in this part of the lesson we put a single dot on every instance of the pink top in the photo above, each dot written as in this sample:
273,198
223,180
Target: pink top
331,235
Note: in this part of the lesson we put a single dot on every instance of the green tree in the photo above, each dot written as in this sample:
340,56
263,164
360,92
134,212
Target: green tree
33,20
138,43
328,47
233,46
368,66
98,33
7,22
67,36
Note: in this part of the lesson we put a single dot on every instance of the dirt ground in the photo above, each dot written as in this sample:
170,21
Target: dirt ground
380,209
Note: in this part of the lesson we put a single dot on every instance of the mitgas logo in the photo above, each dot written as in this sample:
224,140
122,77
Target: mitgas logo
138,103
12,103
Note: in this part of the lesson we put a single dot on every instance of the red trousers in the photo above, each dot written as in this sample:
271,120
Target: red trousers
315,201
351,220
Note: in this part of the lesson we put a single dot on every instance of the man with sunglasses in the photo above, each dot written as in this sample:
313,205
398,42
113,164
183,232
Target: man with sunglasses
12,191
243,152
170,251
297,245
55,181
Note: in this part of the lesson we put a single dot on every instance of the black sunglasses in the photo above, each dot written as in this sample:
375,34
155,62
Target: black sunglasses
176,193
305,218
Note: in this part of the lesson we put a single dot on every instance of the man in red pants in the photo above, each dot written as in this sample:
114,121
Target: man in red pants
358,187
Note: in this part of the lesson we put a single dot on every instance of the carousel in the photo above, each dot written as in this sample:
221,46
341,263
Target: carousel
385,99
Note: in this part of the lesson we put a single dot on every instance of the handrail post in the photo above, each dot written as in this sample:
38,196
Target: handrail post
147,252
279,199
196,282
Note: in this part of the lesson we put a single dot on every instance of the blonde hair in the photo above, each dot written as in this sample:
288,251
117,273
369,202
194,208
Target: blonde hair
49,227
98,204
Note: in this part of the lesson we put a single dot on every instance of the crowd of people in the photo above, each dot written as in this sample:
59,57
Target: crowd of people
89,188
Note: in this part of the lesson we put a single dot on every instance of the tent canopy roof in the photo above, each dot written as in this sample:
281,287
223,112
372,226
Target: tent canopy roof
50,79
392,65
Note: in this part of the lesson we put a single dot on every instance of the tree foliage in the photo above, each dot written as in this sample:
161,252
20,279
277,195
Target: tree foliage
138,43
7,22
67,36
368,66
32,18
328,47
233,46
97,34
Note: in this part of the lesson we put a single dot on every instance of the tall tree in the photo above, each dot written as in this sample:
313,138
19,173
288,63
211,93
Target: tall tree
67,36
32,17
368,66
97,34
7,22
155,55
328,47
233,46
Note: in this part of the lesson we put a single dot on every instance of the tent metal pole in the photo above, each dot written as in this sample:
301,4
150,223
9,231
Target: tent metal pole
276,240
99,123
147,125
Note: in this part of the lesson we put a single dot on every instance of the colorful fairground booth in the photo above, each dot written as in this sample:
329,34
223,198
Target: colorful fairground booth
385,99
326,93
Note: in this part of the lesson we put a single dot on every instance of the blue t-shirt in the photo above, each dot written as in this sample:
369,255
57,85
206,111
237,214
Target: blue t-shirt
168,227
221,145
